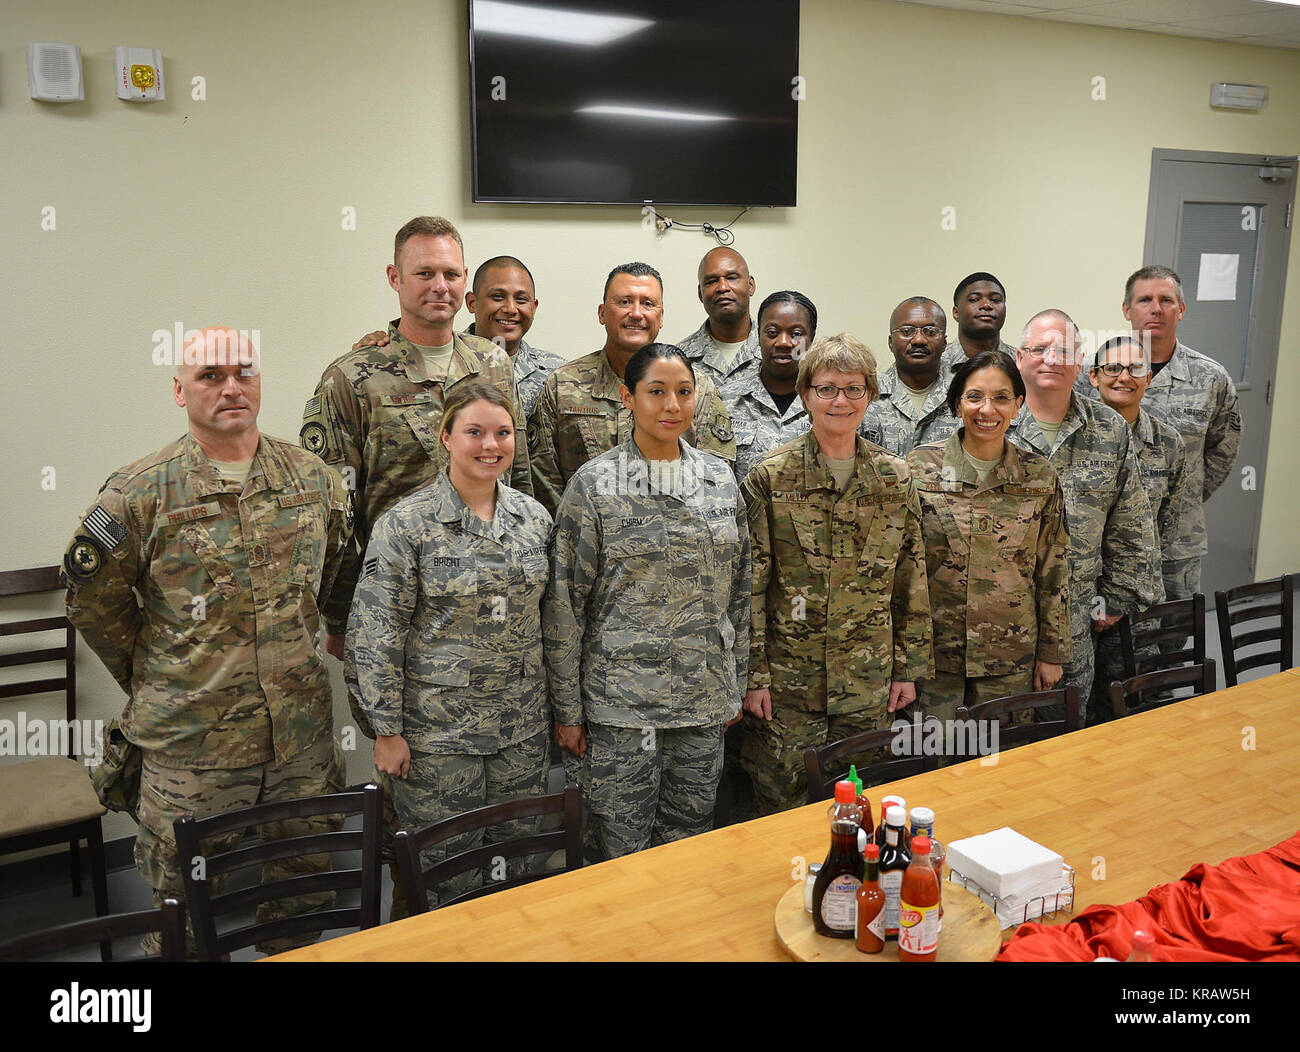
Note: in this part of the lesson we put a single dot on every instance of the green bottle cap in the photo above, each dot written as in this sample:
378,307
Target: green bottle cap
853,777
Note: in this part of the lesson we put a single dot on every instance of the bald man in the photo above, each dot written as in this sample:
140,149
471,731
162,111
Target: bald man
725,348
230,539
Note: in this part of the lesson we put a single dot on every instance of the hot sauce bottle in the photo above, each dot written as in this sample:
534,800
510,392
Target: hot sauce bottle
918,918
894,859
868,826
871,905
835,893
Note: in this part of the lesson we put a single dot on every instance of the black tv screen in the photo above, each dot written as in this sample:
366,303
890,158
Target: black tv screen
616,102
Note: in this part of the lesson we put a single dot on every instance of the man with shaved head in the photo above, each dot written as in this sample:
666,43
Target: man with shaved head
197,577
912,407
1114,558
725,348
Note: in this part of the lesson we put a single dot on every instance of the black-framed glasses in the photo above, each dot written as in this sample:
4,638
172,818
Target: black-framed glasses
1114,369
928,331
854,392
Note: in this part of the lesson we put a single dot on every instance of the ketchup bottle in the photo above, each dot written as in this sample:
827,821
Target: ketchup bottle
871,905
894,859
918,918
835,893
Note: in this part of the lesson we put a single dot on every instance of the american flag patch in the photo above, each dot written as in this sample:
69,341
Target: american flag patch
104,528
313,406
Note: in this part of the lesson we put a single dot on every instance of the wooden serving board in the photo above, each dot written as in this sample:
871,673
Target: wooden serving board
970,931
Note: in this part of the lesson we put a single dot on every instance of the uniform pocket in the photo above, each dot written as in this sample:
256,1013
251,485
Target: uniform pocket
192,573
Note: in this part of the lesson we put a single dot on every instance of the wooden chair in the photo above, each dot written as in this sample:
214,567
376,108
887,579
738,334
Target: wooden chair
1147,638
411,842
49,800
1010,735
1134,695
205,907
825,764
1256,602
168,920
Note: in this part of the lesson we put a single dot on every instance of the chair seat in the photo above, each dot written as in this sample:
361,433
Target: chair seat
43,794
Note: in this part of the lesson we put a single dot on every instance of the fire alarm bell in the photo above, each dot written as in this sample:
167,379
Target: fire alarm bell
139,74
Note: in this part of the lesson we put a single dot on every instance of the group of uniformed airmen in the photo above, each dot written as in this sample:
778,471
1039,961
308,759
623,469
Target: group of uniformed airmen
203,573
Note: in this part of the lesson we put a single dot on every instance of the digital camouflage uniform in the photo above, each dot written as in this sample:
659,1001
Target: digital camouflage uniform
1162,460
702,349
228,696
891,422
444,647
840,607
580,415
1195,395
531,366
1113,552
995,555
376,416
646,622
758,425
954,354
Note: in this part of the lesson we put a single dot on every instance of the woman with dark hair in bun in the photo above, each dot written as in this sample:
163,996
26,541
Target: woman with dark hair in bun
993,517
646,618
766,410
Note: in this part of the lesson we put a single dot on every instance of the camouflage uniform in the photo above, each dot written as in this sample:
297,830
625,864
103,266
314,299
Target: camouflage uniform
229,699
1194,394
892,423
840,606
1113,552
701,348
995,558
531,366
646,621
579,415
758,425
1162,461
444,647
954,354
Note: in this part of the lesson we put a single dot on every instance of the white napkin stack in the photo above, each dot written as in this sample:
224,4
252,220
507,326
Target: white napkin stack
1018,877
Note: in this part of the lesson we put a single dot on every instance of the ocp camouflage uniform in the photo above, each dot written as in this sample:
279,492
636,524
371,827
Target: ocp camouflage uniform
1195,395
646,621
1162,461
1113,551
758,425
579,415
703,351
228,696
840,606
444,647
891,422
995,556
531,366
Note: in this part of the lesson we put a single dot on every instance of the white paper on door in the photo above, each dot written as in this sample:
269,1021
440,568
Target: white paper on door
1218,277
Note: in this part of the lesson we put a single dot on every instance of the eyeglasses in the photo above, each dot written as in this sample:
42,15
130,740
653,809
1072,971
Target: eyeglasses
826,392
1113,369
1000,401
928,331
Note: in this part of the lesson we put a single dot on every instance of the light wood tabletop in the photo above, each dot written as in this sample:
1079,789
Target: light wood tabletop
1130,804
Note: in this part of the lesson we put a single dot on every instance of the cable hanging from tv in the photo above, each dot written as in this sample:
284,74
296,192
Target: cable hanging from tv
722,234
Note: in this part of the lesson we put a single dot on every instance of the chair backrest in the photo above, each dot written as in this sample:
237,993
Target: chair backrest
828,764
205,907
168,920
1065,699
33,582
1159,637
411,842
1264,600
1134,695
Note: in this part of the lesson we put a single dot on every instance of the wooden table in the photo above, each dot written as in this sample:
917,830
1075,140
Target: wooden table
1129,804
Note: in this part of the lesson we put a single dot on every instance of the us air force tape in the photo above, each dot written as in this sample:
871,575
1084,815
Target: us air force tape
313,438
83,560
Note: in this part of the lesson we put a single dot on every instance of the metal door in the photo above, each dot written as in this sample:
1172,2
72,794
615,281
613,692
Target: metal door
1223,222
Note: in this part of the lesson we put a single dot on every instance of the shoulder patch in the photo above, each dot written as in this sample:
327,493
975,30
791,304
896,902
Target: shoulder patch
313,438
313,406
720,431
105,529
83,560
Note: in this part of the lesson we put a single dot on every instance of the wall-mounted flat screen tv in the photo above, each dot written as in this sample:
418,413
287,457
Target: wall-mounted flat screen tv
616,102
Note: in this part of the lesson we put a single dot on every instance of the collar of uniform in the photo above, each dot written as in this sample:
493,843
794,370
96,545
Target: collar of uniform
747,354
751,386
817,472
463,359
1177,364
899,398
694,471
1011,469
1026,424
606,384
448,505
1143,429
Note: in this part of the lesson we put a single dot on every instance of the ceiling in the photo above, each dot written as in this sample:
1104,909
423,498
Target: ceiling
1266,24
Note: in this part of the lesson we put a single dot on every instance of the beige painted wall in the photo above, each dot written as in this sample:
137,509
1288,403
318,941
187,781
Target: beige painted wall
229,210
